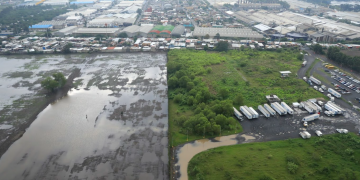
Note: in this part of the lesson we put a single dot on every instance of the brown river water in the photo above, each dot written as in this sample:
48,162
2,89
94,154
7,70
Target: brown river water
114,126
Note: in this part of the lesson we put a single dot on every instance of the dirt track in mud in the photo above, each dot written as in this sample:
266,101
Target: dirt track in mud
112,126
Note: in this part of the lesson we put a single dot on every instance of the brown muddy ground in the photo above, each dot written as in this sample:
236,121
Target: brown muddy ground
113,125
351,52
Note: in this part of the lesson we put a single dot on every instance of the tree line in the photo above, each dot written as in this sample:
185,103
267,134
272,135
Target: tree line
336,55
212,113
20,18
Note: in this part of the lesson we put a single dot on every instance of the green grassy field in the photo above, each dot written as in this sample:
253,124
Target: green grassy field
247,74
335,157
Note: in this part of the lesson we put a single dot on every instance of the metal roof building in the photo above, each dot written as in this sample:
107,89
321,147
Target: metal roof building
162,31
178,31
40,27
227,32
66,31
96,31
135,30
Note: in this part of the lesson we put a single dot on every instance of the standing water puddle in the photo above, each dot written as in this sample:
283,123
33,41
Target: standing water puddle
189,150
115,130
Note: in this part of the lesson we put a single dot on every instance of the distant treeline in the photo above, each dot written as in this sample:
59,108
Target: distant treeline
353,63
348,7
20,18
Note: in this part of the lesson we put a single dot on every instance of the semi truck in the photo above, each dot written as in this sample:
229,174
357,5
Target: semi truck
323,87
336,106
316,81
317,106
310,118
276,106
245,112
238,114
332,108
306,107
304,64
305,135
287,108
264,111
269,109
334,93
248,110
254,113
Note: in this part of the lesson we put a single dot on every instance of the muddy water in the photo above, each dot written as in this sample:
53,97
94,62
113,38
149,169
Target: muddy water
113,127
185,153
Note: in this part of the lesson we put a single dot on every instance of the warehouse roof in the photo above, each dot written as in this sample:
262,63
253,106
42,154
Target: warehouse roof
262,27
178,30
227,32
97,30
82,2
40,26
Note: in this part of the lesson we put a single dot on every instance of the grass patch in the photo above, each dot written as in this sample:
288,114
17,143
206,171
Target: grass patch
307,74
333,156
203,86
321,78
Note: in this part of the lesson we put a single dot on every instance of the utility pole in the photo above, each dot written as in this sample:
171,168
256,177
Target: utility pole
220,130
204,132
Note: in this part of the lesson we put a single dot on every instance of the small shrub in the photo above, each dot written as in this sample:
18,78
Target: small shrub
208,70
292,159
292,167
269,156
349,151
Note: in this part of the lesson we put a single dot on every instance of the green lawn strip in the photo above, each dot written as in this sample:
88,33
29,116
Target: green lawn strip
333,156
307,74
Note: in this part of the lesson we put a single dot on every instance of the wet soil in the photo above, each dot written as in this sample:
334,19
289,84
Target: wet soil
49,98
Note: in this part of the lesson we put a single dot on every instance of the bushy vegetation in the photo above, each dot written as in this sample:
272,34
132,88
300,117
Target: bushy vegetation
334,156
353,63
203,88
52,83
24,16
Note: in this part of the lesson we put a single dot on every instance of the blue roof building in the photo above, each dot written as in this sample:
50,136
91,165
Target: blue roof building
40,26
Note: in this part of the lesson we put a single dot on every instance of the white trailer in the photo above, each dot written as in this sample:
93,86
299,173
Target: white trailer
334,93
306,107
245,112
305,135
336,106
255,114
287,108
323,87
311,117
249,110
312,106
332,108
278,108
238,114
316,81
317,106
264,111
269,109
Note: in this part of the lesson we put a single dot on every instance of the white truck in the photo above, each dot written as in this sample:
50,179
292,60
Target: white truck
269,109
276,106
245,112
238,114
334,93
323,87
311,117
304,78
287,108
318,133
305,135
336,106
307,107
316,81
329,107
315,87
264,111
255,114
320,103
343,131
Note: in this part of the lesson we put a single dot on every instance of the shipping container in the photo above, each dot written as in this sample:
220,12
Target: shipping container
276,106
264,111
238,114
311,117
254,113
334,93
316,81
287,108
269,109
245,112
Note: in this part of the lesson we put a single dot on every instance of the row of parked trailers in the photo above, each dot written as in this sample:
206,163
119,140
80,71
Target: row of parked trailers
311,107
266,110
330,106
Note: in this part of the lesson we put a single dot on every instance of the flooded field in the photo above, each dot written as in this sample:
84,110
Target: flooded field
112,126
